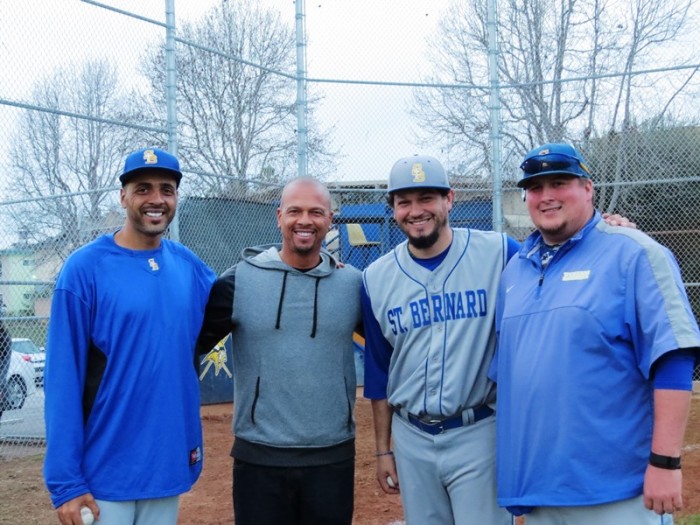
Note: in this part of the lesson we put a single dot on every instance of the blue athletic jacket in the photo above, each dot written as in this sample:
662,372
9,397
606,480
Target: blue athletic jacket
576,343
122,392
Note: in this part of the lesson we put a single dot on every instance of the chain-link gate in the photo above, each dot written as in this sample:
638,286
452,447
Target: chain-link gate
69,115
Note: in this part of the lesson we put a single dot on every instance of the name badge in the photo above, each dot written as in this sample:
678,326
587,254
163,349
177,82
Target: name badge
581,275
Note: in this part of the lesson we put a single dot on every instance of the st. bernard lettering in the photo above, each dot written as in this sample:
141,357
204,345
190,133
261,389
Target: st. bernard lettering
438,308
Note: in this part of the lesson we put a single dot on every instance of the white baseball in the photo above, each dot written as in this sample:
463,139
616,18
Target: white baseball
390,482
86,515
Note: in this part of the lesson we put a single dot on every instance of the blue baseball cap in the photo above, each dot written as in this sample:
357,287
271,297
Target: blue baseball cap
150,159
553,159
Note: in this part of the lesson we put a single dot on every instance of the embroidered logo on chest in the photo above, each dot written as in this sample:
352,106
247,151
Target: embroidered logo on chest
153,264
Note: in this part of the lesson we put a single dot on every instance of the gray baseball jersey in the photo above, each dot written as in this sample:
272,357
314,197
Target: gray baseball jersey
440,323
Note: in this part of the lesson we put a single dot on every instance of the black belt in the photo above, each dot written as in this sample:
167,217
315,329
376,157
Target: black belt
438,426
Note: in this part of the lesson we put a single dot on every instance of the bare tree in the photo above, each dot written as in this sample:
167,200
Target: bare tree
61,165
236,112
652,23
566,69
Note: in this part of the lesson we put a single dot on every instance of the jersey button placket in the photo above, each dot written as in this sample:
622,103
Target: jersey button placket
435,360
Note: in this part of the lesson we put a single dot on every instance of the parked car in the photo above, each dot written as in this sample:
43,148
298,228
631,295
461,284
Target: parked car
31,354
20,383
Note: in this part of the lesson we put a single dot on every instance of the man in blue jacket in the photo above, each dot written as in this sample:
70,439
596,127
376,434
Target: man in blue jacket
123,431
596,346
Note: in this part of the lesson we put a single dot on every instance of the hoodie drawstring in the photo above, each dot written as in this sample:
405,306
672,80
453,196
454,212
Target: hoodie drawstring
313,327
279,306
281,301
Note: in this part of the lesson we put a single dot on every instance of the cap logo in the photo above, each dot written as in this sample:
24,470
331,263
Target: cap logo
543,152
149,157
417,172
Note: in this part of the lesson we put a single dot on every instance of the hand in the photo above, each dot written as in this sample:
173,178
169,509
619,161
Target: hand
618,220
386,466
69,512
663,490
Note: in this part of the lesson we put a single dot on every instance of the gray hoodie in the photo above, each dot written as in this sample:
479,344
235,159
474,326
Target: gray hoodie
293,356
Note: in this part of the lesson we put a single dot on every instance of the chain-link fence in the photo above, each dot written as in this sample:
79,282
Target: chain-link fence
86,83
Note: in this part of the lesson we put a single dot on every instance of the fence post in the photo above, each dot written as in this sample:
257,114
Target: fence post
302,140
495,117
171,95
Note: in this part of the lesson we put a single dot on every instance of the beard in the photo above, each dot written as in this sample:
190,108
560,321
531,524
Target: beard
557,233
551,232
427,240
303,250
151,230
424,241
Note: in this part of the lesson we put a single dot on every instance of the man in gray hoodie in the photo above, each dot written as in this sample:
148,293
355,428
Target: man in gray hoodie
291,314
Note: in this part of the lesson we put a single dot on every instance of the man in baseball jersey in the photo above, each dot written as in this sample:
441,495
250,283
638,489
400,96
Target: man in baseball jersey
123,431
428,311
291,314
596,348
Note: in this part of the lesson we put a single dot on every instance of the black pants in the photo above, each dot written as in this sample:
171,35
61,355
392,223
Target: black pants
293,495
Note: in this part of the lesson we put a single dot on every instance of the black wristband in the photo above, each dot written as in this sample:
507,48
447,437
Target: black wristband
666,462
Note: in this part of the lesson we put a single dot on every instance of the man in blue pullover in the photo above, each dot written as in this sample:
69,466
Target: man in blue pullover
596,346
123,430
291,314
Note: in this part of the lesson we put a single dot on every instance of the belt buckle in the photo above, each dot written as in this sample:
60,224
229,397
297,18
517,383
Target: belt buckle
438,423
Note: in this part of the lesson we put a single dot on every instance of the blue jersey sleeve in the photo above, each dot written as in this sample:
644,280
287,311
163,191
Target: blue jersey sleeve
674,370
513,247
493,367
377,352
66,358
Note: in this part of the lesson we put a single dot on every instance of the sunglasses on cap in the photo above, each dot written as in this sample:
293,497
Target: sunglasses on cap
552,159
554,162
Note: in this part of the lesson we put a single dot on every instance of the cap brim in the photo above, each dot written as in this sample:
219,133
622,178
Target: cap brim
419,187
524,181
126,177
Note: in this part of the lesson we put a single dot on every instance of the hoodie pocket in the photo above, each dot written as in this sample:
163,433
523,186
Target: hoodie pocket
255,400
348,400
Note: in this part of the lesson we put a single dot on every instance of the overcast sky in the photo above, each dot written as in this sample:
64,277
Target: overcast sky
370,40
359,39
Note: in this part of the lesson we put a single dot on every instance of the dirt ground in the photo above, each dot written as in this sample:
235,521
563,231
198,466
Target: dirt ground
24,500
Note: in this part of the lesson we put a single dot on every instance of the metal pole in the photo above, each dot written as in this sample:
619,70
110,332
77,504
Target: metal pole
171,94
495,117
302,139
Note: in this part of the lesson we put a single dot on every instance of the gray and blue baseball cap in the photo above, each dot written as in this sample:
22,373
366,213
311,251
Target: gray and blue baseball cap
553,159
418,171
150,159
